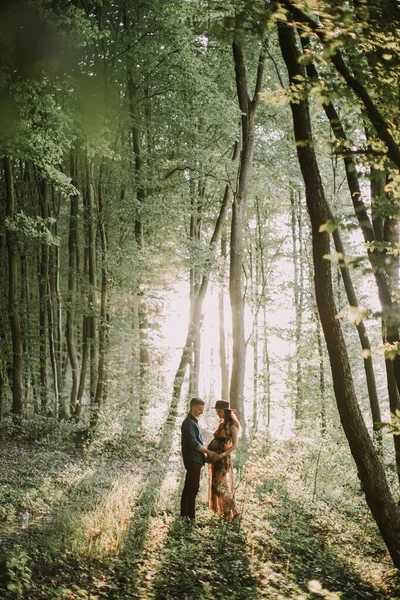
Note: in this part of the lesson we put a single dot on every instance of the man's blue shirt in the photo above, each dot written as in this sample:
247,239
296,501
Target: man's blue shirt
191,439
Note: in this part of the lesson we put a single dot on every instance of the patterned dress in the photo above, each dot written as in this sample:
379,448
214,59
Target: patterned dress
221,496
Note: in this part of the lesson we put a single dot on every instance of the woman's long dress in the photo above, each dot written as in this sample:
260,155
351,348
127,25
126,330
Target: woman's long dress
221,497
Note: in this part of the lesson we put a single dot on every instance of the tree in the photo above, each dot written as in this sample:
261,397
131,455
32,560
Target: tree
13,311
248,107
371,472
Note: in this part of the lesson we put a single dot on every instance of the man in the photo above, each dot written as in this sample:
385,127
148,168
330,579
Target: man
194,453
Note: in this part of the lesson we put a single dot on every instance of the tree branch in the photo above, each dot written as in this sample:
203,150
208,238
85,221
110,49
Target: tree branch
381,126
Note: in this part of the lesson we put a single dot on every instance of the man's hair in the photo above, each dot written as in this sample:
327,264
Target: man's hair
196,402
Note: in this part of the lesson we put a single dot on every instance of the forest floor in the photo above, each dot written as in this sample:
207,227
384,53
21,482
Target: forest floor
104,523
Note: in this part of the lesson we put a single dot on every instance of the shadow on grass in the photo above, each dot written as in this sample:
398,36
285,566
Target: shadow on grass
303,548
206,561
69,545
128,568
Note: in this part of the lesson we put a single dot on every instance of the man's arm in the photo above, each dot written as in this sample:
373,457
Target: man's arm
206,451
189,432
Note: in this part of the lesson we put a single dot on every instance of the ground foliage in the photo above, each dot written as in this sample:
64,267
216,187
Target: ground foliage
104,524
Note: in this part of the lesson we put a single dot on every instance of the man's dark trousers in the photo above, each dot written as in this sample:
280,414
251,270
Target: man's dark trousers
190,489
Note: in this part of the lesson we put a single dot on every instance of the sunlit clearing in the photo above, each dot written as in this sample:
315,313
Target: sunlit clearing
102,532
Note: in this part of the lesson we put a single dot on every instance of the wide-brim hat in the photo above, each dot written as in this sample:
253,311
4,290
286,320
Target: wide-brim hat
222,405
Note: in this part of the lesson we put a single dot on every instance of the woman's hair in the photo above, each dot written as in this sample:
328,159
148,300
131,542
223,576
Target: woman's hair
231,418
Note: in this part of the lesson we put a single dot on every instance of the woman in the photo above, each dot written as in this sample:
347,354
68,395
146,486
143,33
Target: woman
221,484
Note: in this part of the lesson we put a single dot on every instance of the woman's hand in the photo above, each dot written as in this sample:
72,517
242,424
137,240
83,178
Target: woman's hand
215,458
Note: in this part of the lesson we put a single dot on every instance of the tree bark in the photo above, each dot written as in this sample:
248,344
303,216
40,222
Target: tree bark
92,295
221,327
101,377
248,108
195,230
372,476
144,358
54,316
43,299
13,312
297,292
71,295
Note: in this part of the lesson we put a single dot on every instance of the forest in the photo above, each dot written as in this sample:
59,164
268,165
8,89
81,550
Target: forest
199,199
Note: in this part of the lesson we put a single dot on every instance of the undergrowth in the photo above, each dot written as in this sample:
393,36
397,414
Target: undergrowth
104,524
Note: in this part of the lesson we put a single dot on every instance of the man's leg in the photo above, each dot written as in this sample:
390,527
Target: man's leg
184,500
191,487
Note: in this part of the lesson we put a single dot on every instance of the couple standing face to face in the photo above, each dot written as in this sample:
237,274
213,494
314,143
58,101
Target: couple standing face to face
194,452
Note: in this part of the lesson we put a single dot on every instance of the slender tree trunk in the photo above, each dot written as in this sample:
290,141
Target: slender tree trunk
371,472
89,341
256,375
84,367
296,243
144,358
101,376
195,229
92,296
13,312
43,300
266,378
71,296
53,315
321,374
58,309
248,108
25,325
52,345
267,375
221,326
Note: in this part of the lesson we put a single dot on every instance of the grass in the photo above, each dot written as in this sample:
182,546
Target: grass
105,525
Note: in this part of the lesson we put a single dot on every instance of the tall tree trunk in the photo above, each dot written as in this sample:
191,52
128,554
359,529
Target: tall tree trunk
266,402
195,229
54,314
372,476
71,296
58,309
266,378
84,367
321,374
296,243
248,108
221,325
144,358
51,326
13,312
25,324
92,295
101,377
43,299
